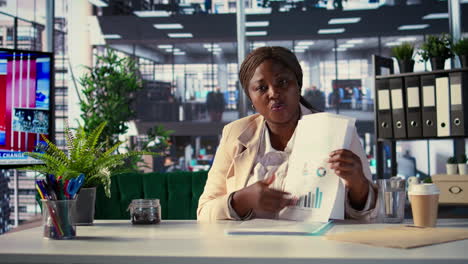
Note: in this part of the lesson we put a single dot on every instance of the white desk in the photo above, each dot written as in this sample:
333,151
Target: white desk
190,242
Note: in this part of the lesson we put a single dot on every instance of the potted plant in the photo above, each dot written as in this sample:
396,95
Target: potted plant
109,91
85,155
404,54
462,166
451,165
436,50
461,49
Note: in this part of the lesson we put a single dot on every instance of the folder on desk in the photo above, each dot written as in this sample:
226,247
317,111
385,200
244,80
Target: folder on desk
398,107
384,111
429,110
443,106
458,103
413,109
279,227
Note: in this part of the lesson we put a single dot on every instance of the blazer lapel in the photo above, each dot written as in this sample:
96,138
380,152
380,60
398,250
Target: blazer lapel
244,160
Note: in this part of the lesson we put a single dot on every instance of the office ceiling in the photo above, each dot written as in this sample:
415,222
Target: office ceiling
284,29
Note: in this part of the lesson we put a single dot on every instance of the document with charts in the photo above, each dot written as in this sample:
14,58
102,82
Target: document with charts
309,177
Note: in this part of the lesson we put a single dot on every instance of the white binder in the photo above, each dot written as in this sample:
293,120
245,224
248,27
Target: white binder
443,106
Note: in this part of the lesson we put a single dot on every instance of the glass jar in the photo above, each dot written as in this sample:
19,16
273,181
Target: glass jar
145,211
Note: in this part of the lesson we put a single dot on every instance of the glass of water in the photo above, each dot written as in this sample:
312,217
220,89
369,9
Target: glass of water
391,199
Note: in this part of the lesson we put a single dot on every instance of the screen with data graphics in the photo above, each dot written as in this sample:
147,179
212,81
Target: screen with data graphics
25,104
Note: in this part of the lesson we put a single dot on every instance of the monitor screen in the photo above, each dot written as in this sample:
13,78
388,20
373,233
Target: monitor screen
25,104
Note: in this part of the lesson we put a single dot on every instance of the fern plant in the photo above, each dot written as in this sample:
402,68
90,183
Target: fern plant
85,155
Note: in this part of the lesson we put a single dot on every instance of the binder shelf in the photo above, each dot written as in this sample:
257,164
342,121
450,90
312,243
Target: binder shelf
414,106
422,105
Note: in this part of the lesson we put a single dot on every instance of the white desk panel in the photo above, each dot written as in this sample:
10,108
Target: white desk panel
189,242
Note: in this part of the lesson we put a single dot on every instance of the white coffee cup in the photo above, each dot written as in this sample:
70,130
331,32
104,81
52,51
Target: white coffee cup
424,200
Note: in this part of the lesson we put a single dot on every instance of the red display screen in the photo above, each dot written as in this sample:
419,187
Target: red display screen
25,104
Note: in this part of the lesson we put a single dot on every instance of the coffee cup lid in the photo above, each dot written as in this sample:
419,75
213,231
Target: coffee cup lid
423,189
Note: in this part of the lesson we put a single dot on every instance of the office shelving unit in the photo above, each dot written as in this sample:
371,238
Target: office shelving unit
382,65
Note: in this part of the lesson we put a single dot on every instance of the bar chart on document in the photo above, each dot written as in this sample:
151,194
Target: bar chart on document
314,195
311,199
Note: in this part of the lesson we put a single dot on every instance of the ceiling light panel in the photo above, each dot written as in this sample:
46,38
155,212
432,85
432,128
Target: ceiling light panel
209,46
257,24
355,41
99,3
436,16
391,44
256,33
413,27
180,35
407,39
152,13
168,26
331,31
339,49
112,36
347,45
165,46
305,43
258,11
348,20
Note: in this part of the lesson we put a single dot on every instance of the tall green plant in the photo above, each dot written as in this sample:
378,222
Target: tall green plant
109,90
435,46
85,155
403,52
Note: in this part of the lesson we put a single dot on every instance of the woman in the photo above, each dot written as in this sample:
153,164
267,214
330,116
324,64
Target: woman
250,165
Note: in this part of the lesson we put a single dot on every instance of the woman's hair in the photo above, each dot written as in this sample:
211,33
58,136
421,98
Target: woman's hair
277,54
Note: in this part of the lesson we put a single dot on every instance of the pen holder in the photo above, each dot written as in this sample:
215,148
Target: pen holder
57,219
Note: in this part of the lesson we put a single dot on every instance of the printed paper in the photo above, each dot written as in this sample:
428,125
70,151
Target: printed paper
309,176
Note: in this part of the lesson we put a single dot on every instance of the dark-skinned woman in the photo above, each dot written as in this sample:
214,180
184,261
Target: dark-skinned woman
249,170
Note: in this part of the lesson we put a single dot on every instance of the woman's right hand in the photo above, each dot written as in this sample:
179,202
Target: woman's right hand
259,196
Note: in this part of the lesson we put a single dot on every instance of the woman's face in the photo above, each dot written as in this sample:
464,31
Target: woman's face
275,93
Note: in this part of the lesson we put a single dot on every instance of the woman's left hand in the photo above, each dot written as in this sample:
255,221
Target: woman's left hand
348,166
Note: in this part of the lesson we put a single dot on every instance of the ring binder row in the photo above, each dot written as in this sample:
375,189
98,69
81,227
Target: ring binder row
422,106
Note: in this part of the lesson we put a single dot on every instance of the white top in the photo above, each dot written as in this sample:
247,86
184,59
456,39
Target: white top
188,242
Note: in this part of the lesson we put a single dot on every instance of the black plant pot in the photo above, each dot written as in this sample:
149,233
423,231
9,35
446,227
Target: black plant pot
437,63
84,207
406,65
463,60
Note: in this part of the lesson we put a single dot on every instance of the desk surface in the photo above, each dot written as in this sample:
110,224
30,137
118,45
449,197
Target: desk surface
191,242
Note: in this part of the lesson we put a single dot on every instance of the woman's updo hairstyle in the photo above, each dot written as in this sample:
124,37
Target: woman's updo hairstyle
259,55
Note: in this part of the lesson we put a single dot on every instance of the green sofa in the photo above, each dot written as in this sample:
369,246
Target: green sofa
178,193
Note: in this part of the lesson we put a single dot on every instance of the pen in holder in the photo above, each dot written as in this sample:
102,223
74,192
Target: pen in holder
57,219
